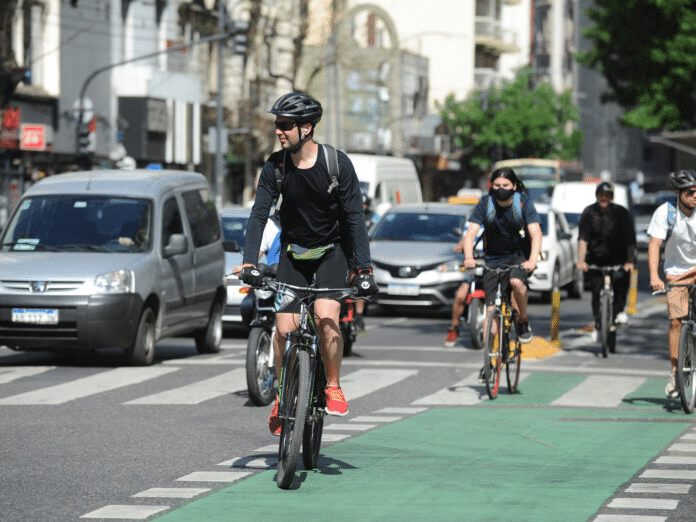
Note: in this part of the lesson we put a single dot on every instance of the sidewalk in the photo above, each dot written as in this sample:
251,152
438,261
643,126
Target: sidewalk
488,462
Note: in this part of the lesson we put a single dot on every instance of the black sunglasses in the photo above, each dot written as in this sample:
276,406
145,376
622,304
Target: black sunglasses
285,125
689,192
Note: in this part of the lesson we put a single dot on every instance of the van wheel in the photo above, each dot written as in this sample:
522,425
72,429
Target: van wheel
142,353
209,339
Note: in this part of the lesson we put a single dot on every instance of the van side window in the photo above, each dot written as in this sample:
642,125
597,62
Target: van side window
171,220
202,216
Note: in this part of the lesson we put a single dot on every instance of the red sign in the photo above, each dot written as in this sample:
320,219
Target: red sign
33,137
12,118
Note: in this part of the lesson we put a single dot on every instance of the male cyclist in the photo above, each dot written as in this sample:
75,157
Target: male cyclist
322,228
503,243
676,227
606,237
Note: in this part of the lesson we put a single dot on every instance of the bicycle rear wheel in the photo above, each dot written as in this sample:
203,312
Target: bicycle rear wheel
293,415
260,377
513,358
686,375
475,319
315,420
492,355
605,324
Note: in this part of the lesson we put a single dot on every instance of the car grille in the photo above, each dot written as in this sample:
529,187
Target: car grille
38,286
404,271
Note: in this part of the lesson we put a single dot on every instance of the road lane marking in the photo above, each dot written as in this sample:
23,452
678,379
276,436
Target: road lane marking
344,426
9,374
463,393
125,511
363,382
600,391
683,448
679,474
374,418
86,386
680,461
171,493
214,476
406,410
643,503
654,487
199,391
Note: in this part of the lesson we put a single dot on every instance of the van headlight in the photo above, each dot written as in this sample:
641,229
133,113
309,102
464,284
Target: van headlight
118,282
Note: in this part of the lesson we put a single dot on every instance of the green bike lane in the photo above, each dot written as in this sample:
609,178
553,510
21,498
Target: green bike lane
515,458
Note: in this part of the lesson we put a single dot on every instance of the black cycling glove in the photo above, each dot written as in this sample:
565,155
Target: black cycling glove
365,283
251,276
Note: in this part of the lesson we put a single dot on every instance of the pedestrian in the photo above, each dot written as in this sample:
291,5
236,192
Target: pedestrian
607,237
322,228
675,227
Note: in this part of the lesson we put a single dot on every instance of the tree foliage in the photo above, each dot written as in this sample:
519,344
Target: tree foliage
646,50
513,121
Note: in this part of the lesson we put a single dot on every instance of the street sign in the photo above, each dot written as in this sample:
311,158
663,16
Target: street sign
32,137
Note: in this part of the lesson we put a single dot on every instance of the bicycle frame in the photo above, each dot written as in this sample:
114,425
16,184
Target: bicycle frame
606,307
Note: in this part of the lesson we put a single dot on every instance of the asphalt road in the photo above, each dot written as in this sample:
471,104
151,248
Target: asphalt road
87,439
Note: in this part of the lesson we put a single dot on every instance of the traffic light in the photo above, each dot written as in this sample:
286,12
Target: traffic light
85,143
239,31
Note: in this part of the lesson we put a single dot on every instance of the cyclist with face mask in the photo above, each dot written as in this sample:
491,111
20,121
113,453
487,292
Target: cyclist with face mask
503,243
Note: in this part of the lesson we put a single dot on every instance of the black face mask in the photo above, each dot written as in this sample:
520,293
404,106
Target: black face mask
502,194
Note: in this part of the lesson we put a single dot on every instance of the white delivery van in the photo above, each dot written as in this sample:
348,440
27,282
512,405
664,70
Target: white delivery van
387,180
573,197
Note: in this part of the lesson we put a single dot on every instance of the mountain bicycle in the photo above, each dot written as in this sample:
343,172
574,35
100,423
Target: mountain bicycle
502,347
685,375
607,328
302,382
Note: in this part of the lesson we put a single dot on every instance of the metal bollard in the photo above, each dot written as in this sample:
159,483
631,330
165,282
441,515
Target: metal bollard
633,293
556,317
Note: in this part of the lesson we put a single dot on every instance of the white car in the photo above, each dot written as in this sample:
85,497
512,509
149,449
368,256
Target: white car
234,222
559,253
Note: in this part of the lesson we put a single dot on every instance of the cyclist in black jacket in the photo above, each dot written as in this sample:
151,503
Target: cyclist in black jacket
323,231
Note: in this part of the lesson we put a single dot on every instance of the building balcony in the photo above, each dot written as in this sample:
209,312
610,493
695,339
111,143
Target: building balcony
489,32
485,77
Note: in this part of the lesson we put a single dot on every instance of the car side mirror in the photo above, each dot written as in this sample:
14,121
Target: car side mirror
177,245
457,231
231,246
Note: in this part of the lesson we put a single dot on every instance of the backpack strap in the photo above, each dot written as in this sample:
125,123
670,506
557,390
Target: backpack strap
279,175
517,214
671,218
331,158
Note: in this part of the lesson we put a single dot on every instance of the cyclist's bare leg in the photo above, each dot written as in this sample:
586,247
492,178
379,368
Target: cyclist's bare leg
459,303
674,332
519,297
327,314
285,323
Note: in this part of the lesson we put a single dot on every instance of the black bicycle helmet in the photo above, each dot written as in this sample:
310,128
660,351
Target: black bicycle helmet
682,179
299,107
604,186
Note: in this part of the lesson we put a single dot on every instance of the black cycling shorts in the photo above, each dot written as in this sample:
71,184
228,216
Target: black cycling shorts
330,271
490,279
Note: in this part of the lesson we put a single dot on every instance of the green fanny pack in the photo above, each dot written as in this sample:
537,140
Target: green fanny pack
299,252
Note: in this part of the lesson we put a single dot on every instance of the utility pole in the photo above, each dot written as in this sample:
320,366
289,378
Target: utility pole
219,179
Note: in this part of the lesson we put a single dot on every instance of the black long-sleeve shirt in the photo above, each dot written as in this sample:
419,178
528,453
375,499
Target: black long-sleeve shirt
309,215
610,234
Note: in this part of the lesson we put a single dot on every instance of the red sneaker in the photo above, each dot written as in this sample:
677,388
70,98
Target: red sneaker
274,422
452,336
335,401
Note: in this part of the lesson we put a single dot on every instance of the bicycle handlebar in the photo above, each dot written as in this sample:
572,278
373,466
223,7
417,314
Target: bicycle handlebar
668,286
277,286
605,269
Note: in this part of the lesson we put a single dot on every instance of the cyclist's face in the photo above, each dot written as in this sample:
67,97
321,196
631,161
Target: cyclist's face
503,183
604,198
688,197
287,131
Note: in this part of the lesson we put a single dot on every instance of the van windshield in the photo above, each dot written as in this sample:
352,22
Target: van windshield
80,223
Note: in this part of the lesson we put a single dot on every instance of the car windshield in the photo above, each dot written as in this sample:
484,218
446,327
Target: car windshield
419,226
80,223
234,228
573,218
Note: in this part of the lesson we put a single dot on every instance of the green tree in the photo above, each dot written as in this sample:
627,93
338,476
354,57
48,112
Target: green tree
513,121
646,49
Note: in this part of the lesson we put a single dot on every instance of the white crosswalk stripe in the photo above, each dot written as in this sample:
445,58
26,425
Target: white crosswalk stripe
199,391
86,386
600,391
9,374
363,382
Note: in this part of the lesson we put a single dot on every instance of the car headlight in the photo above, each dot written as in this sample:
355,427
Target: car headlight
543,255
118,282
455,265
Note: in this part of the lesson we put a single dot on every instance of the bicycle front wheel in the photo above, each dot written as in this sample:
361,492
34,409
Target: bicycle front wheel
315,420
605,324
475,319
513,358
293,415
493,354
686,375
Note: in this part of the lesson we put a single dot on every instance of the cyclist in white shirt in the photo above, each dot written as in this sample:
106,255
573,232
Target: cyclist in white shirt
676,227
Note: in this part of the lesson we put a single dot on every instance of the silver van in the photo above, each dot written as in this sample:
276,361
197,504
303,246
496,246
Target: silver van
113,259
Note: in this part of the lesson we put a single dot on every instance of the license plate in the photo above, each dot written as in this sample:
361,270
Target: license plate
35,315
396,289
